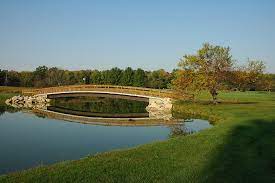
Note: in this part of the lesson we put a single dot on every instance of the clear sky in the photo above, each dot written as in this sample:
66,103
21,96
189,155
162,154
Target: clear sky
151,34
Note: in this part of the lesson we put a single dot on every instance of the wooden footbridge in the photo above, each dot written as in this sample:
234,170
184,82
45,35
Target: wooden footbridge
105,89
137,93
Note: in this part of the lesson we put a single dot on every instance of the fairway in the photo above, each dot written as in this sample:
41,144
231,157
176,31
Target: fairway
239,148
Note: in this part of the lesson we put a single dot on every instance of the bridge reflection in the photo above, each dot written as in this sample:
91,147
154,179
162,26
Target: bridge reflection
97,114
117,121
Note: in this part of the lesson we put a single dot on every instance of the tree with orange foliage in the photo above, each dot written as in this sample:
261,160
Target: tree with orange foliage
205,70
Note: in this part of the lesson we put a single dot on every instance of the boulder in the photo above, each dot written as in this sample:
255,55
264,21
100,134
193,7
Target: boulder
160,108
38,101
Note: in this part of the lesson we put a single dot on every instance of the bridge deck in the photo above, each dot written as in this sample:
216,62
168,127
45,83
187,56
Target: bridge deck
105,88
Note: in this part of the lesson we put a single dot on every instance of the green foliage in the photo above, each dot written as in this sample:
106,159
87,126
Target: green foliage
115,75
13,78
159,79
96,77
139,78
127,77
39,75
46,77
26,79
2,77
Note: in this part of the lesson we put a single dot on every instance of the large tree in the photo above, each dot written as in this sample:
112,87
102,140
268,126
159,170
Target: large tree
207,69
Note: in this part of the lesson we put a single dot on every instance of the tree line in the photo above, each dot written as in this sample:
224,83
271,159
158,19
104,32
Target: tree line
44,76
211,68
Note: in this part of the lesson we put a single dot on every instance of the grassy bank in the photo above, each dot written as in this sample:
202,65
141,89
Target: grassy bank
239,148
11,89
8,92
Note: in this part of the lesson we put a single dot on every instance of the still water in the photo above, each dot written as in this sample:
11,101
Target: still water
28,140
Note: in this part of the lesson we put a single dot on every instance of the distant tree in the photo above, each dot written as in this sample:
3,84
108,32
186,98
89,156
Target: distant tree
55,77
70,78
272,77
159,79
13,78
86,76
2,77
249,76
265,83
127,77
139,78
26,78
114,76
104,77
43,76
78,76
96,77
254,73
40,75
207,69
237,79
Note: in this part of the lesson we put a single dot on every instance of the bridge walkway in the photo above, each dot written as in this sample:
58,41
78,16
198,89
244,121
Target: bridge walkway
161,93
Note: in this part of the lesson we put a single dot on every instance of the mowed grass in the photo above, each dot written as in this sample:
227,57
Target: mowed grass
239,148
5,96
8,92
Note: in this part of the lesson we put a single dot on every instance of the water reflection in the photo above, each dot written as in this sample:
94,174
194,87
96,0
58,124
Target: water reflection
5,108
45,138
178,130
189,126
100,107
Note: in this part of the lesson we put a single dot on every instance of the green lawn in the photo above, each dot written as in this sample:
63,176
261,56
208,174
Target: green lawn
239,148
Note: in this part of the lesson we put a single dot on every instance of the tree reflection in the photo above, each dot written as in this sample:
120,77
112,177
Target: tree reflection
179,130
100,105
5,108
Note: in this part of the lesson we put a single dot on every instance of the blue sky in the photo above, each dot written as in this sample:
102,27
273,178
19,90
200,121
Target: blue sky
151,34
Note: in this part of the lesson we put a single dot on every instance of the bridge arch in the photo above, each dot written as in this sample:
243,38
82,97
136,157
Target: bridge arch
120,90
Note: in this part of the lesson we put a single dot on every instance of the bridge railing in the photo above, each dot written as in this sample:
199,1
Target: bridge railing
107,88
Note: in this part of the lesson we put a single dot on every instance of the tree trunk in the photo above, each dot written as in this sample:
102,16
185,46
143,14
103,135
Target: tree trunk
214,95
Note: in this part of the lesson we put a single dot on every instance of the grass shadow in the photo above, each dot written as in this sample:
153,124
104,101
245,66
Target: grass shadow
247,156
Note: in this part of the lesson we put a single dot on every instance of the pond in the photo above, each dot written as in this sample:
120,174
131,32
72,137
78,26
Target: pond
30,139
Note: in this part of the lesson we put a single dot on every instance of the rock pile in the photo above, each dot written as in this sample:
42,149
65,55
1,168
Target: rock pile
37,101
160,108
